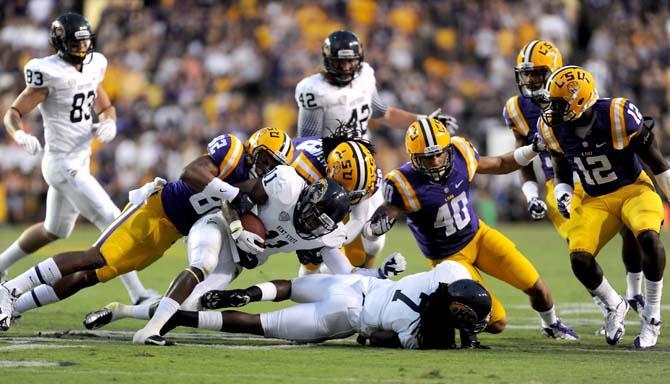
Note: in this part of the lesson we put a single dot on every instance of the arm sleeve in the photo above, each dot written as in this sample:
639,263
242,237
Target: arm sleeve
310,122
357,219
379,107
336,261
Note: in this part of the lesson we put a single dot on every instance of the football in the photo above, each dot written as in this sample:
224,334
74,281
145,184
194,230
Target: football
252,223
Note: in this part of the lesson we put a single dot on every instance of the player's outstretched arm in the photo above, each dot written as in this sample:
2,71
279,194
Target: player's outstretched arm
105,129
646,148
536,206
563,185
511,161
24,104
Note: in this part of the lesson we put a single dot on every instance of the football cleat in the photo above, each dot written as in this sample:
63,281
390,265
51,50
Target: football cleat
637,304
100,317
614,327
558,330
149,295
234,298
6,307
649,331
144,336
470,341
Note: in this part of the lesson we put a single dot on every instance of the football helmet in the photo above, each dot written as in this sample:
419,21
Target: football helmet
321,206
569,92
267,148
67,33
428,143
469,305
342,57
352,165
536,61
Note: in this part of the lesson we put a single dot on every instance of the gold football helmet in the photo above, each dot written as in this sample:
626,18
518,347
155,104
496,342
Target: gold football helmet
428,143
352,165
267,148
570,91
536,61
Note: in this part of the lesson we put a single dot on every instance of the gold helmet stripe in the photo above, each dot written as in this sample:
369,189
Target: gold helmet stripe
558,72
529,51
428,135
360,163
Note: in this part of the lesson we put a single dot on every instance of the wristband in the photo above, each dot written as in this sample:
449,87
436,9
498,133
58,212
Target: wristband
221,190
524,155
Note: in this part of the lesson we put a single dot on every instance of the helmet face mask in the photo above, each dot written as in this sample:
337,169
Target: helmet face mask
72,37
436,166
321,206
267,148
469,305
531,81
342,57
428,143
534,65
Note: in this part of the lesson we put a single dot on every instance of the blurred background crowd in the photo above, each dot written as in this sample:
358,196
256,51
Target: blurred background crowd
182,71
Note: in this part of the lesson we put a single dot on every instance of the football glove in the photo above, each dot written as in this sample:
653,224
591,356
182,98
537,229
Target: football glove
248,242
233,298
309,256
393,265
28,142
105,130
379,224
138,196
564,205
449,122
537,208
242,203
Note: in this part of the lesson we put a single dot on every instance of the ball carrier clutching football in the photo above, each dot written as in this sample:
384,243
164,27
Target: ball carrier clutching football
345,92
67,86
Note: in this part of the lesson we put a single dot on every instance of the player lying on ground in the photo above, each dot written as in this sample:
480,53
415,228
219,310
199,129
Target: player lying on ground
417,311
434,191
159,214
603,141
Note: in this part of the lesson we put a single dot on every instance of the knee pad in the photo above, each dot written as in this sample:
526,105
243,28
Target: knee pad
61,229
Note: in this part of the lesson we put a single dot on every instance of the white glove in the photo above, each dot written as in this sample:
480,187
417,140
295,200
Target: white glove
379,224
393,265
29,143
537,208
105,131
138,196
248,242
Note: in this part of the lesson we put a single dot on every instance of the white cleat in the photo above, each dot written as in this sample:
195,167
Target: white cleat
147,337
614,327
560,331
6,308
649,331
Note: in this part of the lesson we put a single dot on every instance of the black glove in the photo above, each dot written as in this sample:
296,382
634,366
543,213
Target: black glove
310,256
242,203
469,341
538,143
564,205
247,260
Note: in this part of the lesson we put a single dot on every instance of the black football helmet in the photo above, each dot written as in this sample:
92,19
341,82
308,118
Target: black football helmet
342,57
321,206
67,31
469,305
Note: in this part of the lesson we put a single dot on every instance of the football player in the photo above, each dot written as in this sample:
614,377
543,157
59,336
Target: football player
419,311
535,63
345,92
603,141
67,87
157,216
434,190
350,162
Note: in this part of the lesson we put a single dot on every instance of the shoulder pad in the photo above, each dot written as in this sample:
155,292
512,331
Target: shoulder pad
469,153
514,118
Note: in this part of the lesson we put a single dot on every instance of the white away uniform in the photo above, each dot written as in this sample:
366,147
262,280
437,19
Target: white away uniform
322,106
337,306
67,116
210,235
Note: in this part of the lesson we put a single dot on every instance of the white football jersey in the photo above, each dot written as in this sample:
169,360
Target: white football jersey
394,306
68,109
351,104
283,186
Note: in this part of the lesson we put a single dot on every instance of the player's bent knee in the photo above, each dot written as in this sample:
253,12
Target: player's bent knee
648,237
62,230
581,261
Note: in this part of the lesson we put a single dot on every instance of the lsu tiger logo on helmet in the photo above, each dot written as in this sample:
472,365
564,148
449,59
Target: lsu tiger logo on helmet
428,143
570,91
536,61
353,166
267,148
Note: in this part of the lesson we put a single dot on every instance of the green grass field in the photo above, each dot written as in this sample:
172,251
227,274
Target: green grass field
50,343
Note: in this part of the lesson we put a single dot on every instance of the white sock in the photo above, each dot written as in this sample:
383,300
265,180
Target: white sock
652,306
133,285
600,304
166,309
46,272
140,311
11,255
548,317
633,284
268,291
210,320
606,294
35,298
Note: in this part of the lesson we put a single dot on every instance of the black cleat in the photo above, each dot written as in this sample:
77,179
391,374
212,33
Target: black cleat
98,318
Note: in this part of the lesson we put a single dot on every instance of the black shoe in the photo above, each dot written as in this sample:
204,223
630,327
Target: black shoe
98,318
470,341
